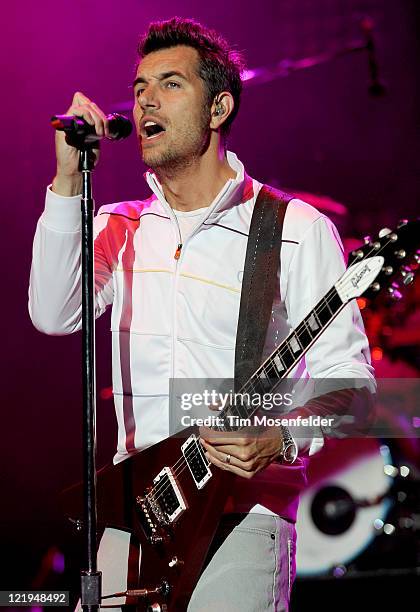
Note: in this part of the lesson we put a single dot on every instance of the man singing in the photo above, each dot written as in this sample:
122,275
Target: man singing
171,267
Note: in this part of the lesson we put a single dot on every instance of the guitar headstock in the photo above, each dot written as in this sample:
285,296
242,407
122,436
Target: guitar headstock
387,263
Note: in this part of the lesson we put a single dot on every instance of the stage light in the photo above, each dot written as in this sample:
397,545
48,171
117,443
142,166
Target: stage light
377,353
339,571
106,393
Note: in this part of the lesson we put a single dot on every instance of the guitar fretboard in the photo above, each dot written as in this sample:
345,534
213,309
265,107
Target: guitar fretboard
283,359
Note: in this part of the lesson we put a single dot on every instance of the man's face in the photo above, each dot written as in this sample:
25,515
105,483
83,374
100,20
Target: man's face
170,108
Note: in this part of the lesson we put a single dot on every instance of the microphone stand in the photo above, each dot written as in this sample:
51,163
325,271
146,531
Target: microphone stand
90,578
83,137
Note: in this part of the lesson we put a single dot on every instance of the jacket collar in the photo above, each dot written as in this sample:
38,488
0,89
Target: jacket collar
235,191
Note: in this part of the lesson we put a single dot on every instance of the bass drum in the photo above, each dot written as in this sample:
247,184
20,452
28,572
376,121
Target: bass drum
347,491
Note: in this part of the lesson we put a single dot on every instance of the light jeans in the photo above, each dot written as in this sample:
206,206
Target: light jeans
250,567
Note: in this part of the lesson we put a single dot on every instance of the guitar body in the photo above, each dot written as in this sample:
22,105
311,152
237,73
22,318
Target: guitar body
173,563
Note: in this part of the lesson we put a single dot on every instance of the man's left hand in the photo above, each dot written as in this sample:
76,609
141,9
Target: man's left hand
243,453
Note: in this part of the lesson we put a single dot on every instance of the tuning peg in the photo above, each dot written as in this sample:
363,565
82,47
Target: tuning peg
384,232
417,257
402,222
357,254
400,254
367,239
388,270
375,286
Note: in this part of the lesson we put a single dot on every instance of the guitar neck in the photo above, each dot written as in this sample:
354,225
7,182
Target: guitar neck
283,359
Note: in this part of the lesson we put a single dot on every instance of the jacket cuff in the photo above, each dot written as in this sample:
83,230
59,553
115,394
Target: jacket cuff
61,213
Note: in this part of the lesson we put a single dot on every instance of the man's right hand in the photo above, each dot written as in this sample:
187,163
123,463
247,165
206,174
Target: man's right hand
68,180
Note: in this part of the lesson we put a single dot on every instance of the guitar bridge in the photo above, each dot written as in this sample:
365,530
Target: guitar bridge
161,506
193,452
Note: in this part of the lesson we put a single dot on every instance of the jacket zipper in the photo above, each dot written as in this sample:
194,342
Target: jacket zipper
178,256
178,251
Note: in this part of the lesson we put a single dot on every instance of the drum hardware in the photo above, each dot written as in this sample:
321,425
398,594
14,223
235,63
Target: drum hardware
359,511
334,509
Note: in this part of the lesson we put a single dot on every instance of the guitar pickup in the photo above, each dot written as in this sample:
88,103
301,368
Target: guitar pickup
193,452
168,495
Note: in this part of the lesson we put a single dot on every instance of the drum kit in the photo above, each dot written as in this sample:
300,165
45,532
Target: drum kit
361,509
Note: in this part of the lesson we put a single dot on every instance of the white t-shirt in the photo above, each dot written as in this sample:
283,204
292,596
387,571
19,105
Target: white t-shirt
188,220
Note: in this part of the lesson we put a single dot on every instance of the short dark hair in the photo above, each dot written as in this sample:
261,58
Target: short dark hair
220,67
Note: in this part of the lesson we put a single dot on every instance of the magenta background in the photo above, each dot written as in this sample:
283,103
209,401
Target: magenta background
316,131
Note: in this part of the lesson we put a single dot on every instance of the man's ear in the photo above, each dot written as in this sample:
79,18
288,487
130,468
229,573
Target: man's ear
221,109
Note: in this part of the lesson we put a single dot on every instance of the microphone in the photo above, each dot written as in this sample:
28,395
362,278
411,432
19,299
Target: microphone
79,132
376,86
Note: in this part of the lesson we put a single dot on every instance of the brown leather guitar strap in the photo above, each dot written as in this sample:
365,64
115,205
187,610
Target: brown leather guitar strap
262,263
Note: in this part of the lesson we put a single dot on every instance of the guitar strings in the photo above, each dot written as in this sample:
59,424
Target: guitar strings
158,490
